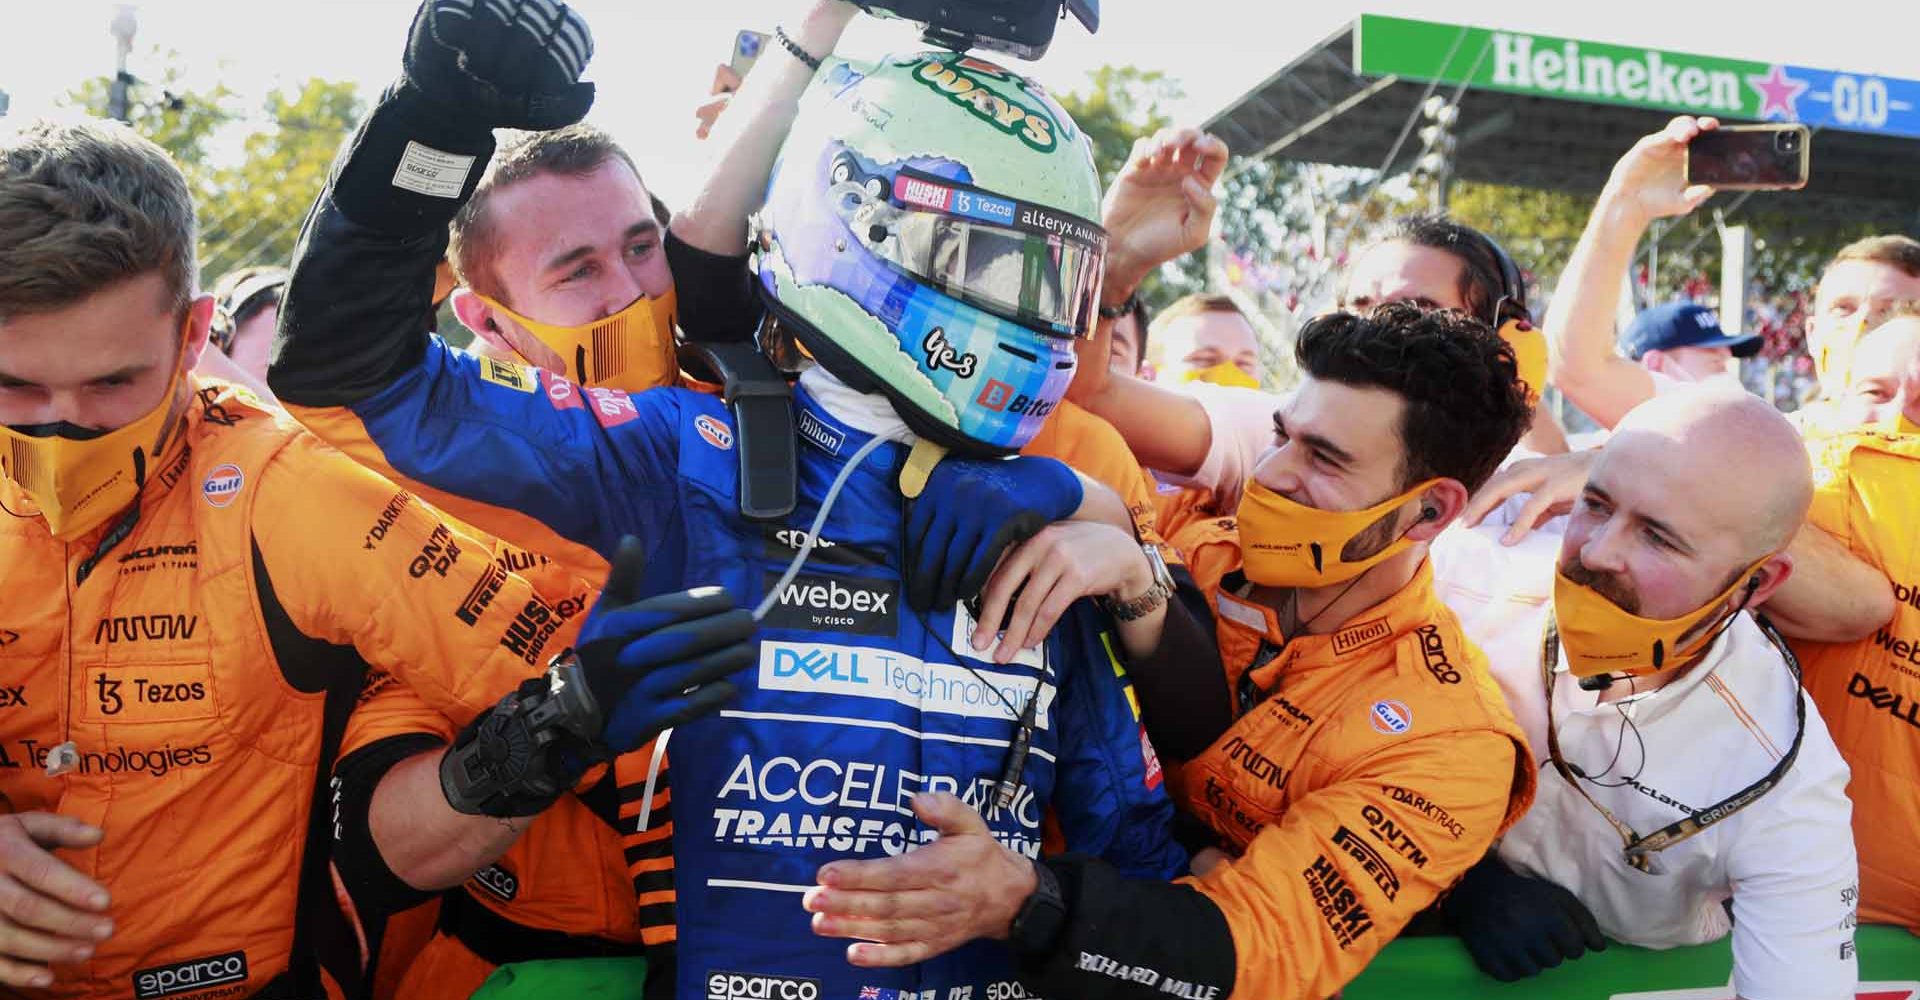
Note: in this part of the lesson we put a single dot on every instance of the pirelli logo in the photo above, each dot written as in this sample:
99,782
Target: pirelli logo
1350,640
474,606
1370,861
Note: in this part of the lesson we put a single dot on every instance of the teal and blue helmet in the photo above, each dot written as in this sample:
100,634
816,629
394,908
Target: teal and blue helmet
930,233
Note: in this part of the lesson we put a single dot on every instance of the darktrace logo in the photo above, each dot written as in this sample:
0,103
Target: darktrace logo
437,556
498,882
1418,802
378,533
852,604
750,986
190,976
1433,650
1369,860
1339,904
480,598
1898,705
526,636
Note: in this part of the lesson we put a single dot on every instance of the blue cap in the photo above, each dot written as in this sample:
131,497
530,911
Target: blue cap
1683,324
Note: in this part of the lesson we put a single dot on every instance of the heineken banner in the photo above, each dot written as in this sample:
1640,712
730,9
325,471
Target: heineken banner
1543,66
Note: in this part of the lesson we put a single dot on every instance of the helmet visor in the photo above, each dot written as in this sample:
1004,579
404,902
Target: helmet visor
1029,264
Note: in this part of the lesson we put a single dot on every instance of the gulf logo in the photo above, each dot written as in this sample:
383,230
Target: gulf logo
223,484
1391,717
716,433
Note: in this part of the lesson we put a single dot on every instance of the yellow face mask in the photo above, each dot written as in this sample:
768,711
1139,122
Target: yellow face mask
1833,357
1287,544
79,478
630,350
1224,373
1602,638
1904,426
1529,353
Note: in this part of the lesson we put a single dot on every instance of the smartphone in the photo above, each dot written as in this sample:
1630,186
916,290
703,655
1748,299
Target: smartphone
747,46
1751,157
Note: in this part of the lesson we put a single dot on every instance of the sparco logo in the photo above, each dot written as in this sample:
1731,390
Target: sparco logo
190,976
139,628
1434,651
1897,705
497,881
858,605
745,986
378,533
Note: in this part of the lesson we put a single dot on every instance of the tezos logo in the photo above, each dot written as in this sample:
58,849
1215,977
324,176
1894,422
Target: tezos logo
745,986
190,976
1391,717
715,432
223,485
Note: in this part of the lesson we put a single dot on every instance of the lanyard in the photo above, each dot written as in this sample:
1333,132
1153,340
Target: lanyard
1639,849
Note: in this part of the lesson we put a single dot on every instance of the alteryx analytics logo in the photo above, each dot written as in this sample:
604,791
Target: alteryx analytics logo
866,672
822,602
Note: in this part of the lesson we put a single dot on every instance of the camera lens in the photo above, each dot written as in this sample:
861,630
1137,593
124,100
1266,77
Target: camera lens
1787,142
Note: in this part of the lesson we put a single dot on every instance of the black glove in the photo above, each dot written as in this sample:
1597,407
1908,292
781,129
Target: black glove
656,663
504,63
1516,925
971,512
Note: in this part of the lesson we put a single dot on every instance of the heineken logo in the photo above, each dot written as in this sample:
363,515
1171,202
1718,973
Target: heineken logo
1644,77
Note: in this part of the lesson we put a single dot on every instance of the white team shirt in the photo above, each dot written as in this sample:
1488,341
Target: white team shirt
1786,862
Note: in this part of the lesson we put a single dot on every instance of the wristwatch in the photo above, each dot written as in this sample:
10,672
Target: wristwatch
1036,928
1156,595
1115,312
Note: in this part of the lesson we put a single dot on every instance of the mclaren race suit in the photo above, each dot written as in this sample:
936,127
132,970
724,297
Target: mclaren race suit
199,654
1866,488
1349,777
857,702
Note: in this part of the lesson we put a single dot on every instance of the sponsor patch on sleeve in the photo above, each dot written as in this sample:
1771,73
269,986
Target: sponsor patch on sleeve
519,378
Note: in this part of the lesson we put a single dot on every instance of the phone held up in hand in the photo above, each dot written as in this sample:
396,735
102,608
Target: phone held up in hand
1751,157
747,46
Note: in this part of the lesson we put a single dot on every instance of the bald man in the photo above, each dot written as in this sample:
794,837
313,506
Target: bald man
1688,787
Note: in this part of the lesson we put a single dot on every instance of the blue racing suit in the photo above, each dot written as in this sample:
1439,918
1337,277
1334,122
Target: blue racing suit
856,704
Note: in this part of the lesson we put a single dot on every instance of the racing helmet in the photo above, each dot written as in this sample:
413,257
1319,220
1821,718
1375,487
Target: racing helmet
931,233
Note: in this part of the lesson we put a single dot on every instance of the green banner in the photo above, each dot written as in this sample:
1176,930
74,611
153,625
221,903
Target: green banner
1565,68
1439,968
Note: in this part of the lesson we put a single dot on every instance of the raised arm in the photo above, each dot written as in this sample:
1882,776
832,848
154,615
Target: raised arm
1648,183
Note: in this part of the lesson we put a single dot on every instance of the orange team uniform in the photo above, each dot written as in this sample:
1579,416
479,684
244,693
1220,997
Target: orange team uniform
1090,445
1866,487
199,654
1366,771
540,900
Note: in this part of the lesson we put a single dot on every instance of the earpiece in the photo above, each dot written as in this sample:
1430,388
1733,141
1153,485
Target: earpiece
1429,514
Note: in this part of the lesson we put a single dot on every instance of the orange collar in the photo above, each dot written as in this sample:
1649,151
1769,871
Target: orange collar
1410,607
